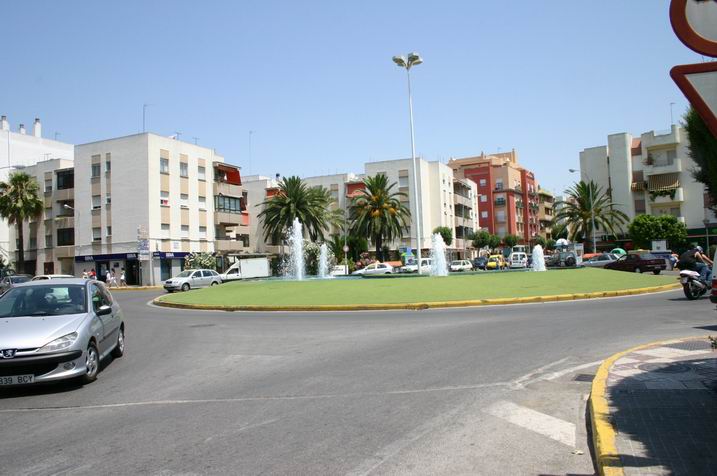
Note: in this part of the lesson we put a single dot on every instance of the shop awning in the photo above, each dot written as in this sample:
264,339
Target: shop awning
662,182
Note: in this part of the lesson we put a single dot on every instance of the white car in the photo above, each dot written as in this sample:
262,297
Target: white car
518,260
374,269
191,279
412,267
461,265
600,261
52,276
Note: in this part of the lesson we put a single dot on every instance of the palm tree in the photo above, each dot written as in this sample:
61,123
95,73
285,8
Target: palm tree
577,212
19,201
312,206
377,212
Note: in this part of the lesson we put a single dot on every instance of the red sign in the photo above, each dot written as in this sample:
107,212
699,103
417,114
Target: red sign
698,82
695,24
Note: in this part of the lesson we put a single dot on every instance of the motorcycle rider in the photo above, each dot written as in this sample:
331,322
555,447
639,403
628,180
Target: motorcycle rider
696,260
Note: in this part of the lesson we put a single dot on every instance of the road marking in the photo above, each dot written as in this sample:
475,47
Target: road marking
242,429
546,425
554,375
528,378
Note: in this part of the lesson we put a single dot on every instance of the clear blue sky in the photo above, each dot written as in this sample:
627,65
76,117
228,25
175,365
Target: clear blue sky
316,82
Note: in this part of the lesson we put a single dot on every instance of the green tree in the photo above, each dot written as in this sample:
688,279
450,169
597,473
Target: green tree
703,151
584,199
645,228
539,240
378,213
511,240
20,201
494,241
294,199
550,244
446,233
480,239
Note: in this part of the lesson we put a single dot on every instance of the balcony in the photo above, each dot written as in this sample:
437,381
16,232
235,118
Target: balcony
668,196
65,221
64,252
227,245
658,167
65,194
227,189
231,219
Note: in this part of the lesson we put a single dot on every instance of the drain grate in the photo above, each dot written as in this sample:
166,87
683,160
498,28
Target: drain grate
584,378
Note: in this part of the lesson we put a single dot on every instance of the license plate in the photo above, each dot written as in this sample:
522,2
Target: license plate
17,380
683,280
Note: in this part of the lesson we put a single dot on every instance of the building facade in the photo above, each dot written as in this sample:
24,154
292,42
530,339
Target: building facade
19,150
650,174
508,193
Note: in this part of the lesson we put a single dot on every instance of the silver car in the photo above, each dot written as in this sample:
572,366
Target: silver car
193,278
56,330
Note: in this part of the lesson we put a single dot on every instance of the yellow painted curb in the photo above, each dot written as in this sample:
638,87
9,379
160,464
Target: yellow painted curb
606,454
421,305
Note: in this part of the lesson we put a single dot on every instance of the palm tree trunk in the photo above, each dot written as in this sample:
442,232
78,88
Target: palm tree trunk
21,247
378,249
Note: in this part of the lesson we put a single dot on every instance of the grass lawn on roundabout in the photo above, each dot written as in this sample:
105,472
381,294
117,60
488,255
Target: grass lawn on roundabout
397,290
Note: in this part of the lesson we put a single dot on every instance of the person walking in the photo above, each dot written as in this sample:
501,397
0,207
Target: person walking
85,275
123,279
113,279
92,274
108,277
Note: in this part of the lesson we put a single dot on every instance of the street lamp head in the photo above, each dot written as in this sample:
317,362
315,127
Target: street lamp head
400,61
572,171
414,59
66,206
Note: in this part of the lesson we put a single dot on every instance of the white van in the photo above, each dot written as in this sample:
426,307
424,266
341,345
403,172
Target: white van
518,260
247,268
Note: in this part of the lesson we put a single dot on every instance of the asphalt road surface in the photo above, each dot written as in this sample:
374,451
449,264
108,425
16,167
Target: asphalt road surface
494,390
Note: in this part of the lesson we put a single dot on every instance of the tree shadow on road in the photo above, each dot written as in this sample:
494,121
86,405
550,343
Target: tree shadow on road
666,417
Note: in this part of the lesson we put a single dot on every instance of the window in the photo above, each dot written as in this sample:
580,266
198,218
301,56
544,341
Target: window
164,198
184,200
97,234
95,170
202,232
165,230
202,203
671,156
108,199
227,204
206,273
108,166
48,241
185,231
640,206
482,182
202,173
484,198
164,166
48,185
65,236
65,179
109,231
33,243
500,216
499,184
184,169
403,181
96,202
484,214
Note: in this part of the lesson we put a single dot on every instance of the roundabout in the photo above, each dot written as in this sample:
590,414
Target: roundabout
488,288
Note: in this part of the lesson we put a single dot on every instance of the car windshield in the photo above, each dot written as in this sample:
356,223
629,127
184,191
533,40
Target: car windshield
19,279
185,274
44,300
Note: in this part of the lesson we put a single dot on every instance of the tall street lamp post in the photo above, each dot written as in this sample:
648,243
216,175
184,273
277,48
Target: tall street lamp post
407,62
592,208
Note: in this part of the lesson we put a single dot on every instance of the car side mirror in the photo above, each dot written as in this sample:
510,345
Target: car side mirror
104,310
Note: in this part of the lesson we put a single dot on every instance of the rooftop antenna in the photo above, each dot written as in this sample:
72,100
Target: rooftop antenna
671,119
57,134
249,168
195,140
176,135
144,116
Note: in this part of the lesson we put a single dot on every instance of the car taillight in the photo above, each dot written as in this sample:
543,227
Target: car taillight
714,287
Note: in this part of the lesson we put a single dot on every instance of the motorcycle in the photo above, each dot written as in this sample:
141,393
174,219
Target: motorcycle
692,285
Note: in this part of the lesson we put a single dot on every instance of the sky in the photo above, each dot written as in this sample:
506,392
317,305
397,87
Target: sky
315,83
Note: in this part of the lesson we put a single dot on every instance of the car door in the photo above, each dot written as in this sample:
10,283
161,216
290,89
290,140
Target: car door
196,280
98,299
206,277
370,269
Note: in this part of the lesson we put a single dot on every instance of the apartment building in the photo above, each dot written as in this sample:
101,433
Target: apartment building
546,212
508,193
144,201
50,238
258,189
18,150
650,174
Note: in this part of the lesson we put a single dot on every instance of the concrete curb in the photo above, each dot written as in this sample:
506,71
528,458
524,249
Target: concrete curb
606,454
422,305
136,288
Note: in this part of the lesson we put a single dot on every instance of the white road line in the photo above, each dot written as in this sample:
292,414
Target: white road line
554,375
546,425
521,382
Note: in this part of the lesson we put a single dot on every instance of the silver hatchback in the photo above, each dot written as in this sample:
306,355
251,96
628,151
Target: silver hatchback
57,329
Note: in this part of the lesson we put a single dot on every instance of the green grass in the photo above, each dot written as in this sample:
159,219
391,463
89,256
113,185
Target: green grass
489,285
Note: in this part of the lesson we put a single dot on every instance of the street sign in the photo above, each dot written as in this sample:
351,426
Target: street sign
698,82
695,24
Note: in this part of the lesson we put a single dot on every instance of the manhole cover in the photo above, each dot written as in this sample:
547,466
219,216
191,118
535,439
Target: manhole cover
665,368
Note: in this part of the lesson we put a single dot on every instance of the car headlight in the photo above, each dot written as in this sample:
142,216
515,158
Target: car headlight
60,343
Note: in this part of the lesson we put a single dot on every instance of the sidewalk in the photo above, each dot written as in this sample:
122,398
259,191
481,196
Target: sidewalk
654,410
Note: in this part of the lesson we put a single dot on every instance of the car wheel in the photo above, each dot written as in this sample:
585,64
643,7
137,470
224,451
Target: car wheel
185,287
638,270
92,361
656,271
118,351
214,283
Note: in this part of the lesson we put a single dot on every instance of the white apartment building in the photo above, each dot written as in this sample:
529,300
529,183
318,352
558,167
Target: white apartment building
144,201
650,174
19,150
256,187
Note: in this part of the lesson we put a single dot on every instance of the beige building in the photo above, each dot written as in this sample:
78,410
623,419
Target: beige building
145,201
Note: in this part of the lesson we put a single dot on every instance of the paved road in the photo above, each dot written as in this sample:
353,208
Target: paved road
498,390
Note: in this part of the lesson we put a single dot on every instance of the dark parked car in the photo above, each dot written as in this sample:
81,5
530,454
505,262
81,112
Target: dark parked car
13,280
479,263
638,263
